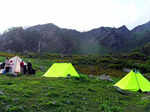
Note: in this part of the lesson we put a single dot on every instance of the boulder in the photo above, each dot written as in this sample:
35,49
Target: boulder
126,70
91,76
145,98
121,91
42,68
1,93
105,77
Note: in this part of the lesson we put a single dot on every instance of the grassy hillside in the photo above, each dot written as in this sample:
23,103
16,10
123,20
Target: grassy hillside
39,94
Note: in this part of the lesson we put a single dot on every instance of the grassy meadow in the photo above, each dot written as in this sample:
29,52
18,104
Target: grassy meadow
86,94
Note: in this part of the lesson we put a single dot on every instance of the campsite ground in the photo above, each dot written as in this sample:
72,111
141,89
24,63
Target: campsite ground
39,94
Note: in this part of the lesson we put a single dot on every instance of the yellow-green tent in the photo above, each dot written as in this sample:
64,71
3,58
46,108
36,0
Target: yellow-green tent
134,81
61,70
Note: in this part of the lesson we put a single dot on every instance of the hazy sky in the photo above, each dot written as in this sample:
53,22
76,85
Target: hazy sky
82,15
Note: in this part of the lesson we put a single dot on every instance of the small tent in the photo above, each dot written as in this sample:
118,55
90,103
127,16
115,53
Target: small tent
15,64
134,81
61,70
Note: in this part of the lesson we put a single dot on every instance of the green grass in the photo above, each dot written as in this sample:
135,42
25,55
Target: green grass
40,94
32,94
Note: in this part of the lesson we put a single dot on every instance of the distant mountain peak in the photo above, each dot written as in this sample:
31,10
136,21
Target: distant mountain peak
123,28
48,26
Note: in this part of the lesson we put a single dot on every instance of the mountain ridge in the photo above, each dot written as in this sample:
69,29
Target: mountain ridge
54,39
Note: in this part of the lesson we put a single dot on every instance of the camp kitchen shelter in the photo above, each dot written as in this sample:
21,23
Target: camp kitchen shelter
134,81
61,70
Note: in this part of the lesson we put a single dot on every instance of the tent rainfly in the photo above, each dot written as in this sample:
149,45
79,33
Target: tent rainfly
61,70
134,81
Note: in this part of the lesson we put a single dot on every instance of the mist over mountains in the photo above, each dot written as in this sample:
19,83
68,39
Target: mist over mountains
53,39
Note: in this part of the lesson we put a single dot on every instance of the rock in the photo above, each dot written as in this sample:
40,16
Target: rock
121,91
54,102
145,98
1,93
105,77
42,68
84,98
147,93
126,70
15,99
68,102
91,76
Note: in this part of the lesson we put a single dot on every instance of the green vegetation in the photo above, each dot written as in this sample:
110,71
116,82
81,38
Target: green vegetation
32,94
146,49
85,94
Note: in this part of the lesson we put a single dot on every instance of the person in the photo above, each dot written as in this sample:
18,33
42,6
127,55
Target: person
7,67
30,69
3,65
29,66
25,68
2,70
22,66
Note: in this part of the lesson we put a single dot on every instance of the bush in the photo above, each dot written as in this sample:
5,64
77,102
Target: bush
105,60
83,78
144,68
136,55
115,66
146,49
7,54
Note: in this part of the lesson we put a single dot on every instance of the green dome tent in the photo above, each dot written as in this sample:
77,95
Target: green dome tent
61,70
134,81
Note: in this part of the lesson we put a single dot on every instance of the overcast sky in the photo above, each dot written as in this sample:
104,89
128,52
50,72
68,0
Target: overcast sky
82,15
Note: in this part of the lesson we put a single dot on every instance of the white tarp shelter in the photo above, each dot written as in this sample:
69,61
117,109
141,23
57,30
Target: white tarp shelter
15,64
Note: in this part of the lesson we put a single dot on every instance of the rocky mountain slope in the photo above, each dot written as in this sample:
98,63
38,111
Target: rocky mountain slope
53,39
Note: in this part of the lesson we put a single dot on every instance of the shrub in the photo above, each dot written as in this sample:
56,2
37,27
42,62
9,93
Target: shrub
115,66
136,55
7,54
146,48
83,78
105,60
